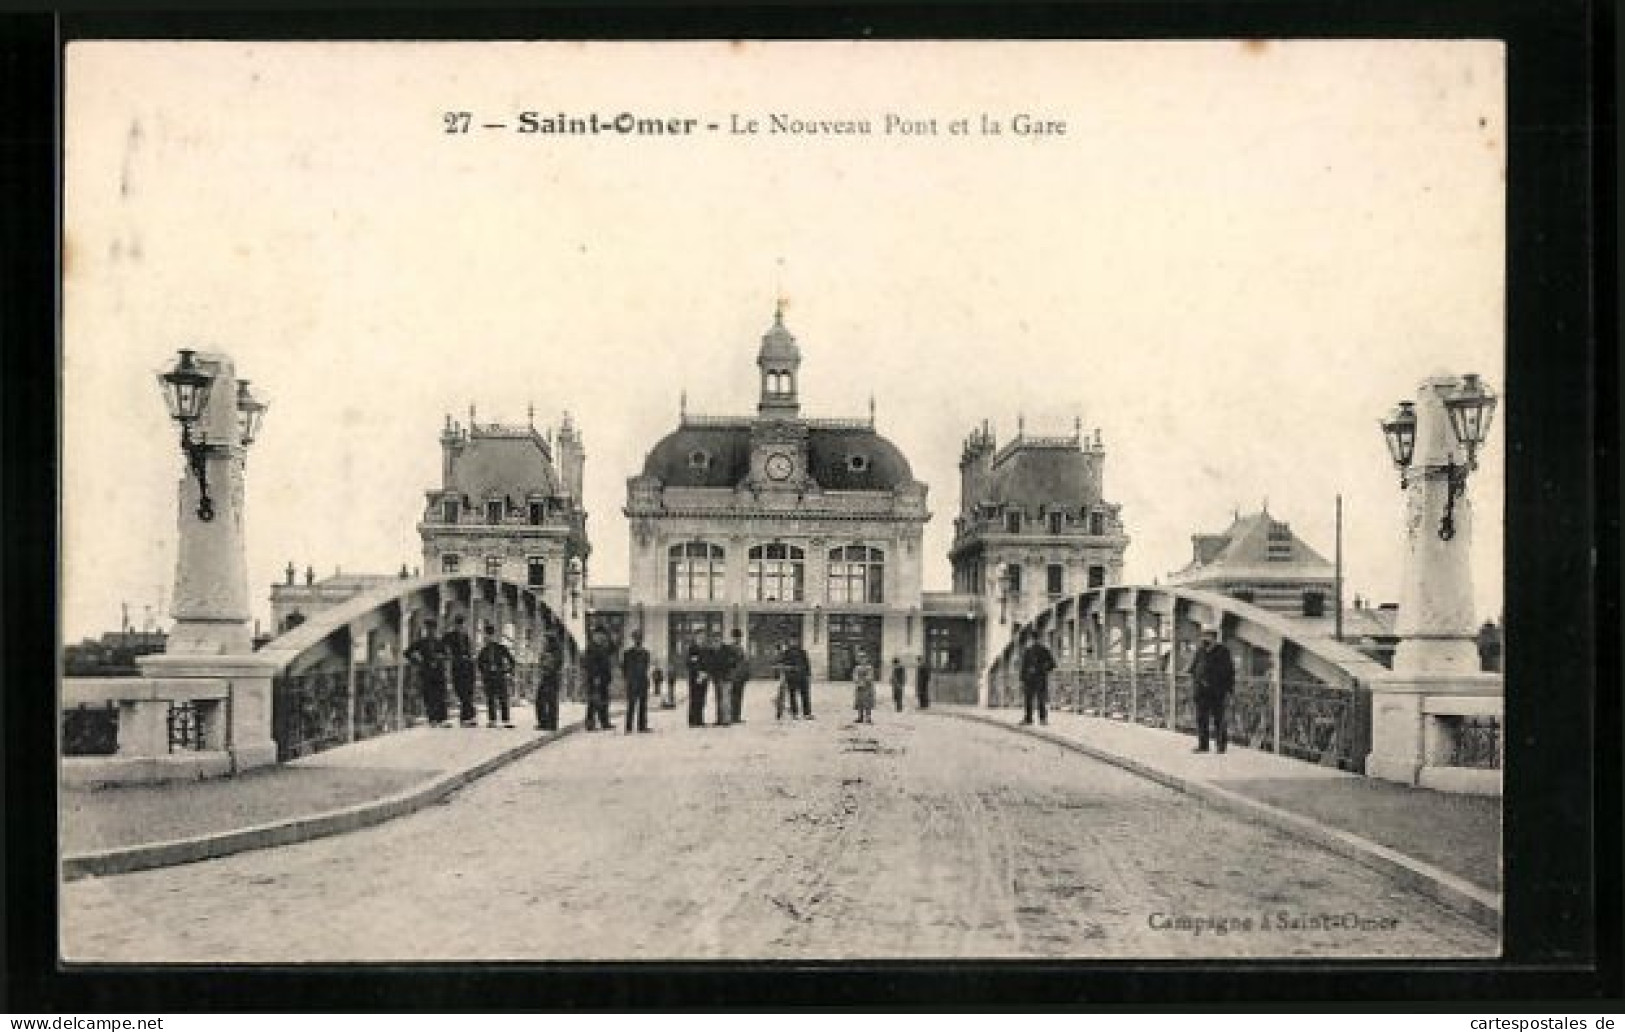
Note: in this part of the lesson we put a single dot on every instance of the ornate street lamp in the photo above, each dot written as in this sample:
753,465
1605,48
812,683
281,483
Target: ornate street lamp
186,391
1399,430
250,413
1470,410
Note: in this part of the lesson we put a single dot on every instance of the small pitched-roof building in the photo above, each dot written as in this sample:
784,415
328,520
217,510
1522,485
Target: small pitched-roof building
1259,559
783,526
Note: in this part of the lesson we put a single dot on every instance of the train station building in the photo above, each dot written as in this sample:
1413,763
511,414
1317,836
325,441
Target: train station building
782,525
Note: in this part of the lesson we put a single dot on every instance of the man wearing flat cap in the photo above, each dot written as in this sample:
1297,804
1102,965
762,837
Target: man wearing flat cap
1213,675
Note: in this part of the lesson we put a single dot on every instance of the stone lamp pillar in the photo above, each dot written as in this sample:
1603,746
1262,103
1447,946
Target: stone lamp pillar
1418,709
211,646
1436,623
211,607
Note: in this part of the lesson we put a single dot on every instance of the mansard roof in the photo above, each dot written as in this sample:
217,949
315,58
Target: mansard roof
502,462
719,456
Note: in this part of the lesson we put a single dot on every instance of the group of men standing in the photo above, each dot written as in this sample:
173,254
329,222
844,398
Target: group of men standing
438,658
715,672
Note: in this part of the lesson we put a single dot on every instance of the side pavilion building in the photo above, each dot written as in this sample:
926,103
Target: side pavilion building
780,525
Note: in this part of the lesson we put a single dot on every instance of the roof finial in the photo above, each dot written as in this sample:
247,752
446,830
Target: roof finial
682,404
1021,423
1266,509
1077,427
871,408
778,308
448,421
530,414
471,416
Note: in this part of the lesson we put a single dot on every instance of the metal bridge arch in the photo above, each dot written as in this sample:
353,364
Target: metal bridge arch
1121,653
340,676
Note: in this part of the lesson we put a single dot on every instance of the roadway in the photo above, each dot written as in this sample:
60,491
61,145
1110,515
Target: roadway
918,836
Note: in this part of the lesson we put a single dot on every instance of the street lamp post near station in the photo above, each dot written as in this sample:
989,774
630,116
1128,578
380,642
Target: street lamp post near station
210,603
209,656
1434,443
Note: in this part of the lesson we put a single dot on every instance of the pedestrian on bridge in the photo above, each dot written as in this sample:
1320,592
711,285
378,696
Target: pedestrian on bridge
460,651
738,675
863,688
600,664
899,681
695,662
922,682
657,679
549,669
719,671
1213,675
797,677
496,665
1036,664
428,660
635,674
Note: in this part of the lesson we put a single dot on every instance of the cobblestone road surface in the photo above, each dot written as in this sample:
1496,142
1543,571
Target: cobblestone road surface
918,836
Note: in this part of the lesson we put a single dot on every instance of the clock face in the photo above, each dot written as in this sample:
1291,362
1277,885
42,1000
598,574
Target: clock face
779,466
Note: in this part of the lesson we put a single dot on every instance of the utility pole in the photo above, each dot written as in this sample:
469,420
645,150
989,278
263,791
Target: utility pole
1337,577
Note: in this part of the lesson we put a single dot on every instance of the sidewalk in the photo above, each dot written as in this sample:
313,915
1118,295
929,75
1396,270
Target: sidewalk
1446,844
133,827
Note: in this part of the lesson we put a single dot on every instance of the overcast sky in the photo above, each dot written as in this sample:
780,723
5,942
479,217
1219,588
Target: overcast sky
1234,261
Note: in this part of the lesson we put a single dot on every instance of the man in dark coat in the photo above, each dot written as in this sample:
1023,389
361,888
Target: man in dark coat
549,671
738,675
460,651
719,668
1036,664
635,674
695,663
922,682
496,665
1213,675
798,677
428,661
600,669
899,681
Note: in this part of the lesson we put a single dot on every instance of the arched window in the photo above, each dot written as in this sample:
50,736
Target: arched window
857,573
776,574
694,571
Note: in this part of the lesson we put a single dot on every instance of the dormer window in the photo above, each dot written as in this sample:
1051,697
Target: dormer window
1097,524
538,511
493,510
449,510
857,463
699,459
1012,523
1057,522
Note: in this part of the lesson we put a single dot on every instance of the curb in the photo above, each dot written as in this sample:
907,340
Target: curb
291,830
1482,906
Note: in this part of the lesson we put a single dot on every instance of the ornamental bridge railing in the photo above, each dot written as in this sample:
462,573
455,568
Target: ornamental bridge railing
1122,653
341,677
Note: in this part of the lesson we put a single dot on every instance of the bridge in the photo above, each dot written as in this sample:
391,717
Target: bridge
336,678
1122,653
935,831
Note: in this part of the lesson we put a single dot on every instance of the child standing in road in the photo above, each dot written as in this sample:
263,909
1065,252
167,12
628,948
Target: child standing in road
863,689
